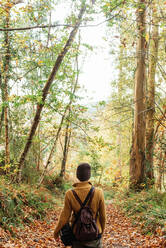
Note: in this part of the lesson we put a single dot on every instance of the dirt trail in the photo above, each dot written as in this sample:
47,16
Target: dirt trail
119,233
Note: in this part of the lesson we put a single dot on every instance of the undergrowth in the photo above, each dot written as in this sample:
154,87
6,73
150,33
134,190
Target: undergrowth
22,204
146,209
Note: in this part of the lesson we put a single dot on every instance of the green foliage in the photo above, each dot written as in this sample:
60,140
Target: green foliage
146,209
109,194
30,174
22,204
62,184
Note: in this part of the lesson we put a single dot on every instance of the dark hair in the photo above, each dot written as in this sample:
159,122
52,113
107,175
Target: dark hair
83,172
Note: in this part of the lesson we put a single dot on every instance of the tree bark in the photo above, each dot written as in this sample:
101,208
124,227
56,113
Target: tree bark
39,150
151,97
137,157
161,165
119,134
2,110
160,173
46,89
66,148
6,79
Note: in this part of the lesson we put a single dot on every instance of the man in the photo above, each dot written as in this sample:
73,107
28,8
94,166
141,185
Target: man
72,206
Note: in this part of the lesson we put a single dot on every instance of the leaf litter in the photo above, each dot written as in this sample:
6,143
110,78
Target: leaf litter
119,233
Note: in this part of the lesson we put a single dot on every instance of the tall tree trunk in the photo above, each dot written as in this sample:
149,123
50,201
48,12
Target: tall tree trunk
137,159
151,97
47,87
119,148
161,165
66,149
119,139
3,100
39,150
160,173
6,78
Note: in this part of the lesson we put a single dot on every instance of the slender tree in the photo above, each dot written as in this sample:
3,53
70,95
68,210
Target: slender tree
6,79
3,101
66,147
119,133
137,159
151,94
47,87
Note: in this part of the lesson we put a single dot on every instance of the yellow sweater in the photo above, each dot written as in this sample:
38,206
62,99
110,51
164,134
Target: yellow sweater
71,205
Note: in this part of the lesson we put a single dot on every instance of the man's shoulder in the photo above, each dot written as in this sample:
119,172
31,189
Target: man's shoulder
69,191
98,191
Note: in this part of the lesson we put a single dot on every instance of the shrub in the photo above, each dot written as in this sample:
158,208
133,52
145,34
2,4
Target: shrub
21,204
146,208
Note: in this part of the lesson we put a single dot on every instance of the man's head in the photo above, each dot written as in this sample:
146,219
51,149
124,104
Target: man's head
83,172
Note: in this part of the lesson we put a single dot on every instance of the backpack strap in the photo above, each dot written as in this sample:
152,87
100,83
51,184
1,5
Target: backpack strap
90,193
89,196
77,198
89,203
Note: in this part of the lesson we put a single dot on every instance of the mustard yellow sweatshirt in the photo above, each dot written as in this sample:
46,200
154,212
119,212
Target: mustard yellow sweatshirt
71,205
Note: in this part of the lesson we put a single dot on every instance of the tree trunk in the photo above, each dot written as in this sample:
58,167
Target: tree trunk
6,78
66,149
60,127
39,150
46,89
119,139
151,97
137,158
160,173
3,100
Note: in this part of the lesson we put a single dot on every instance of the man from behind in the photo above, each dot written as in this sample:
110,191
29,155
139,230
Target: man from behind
72,206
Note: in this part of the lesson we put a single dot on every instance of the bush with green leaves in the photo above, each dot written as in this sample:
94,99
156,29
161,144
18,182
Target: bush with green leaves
146,208
22,204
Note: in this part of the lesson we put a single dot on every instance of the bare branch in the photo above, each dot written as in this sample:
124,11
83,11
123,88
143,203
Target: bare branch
57,25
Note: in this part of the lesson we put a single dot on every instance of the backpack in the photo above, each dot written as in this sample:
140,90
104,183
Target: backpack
86,228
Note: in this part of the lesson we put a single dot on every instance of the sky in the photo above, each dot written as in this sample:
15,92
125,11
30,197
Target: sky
97,70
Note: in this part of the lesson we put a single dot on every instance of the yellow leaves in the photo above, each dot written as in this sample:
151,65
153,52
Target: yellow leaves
107,4
147,37
11,98
40,62
140,10
15,11
16,62
9,4
6,167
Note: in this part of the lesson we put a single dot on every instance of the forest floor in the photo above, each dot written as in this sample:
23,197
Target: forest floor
119,233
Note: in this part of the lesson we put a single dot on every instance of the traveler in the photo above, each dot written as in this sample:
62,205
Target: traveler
72,207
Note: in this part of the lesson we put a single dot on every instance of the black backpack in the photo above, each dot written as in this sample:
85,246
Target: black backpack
86,228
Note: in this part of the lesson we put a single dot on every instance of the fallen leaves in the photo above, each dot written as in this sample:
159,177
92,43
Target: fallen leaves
119,233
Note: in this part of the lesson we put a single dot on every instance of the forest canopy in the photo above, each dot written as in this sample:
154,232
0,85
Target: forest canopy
44,126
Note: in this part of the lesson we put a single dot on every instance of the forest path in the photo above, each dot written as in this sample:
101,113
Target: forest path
119,233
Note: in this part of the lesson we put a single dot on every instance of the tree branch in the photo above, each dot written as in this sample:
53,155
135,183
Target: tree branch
46,90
